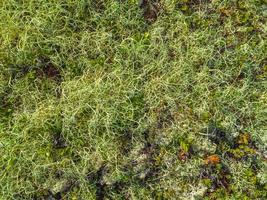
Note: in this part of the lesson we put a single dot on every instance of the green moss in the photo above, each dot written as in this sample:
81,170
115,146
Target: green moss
91,85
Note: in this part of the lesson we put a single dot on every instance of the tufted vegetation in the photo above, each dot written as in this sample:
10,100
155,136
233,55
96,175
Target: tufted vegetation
120,99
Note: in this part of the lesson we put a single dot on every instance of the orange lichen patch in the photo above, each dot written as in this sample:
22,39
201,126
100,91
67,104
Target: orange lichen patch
212,160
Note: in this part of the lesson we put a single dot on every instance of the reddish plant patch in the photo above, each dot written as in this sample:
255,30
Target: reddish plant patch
151,9
48,70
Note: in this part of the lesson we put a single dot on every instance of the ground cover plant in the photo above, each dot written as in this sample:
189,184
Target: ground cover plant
128,99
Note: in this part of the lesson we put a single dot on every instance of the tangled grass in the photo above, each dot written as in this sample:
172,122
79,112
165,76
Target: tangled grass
104,100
